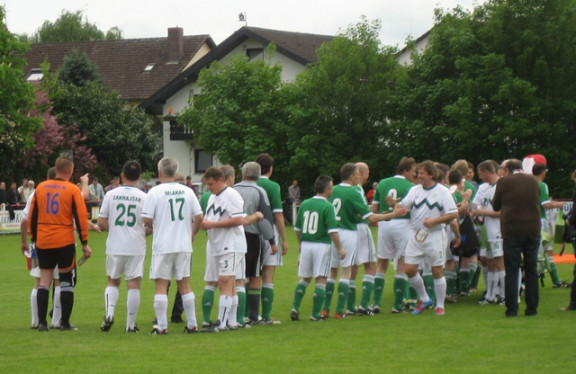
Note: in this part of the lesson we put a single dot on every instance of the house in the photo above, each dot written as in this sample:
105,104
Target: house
294,51
404,56
136,68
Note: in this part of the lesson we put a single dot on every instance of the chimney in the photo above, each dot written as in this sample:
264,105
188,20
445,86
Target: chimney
175,43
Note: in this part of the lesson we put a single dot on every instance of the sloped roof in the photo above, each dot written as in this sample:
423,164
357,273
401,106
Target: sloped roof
121,63
300,47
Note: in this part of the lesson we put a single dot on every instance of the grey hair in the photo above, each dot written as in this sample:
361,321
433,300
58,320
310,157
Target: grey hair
168,166
251,170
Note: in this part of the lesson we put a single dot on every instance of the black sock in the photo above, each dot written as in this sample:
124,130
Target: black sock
42,300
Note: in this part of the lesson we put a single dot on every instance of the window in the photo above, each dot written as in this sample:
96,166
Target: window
35,75
149,67
202,161
254,53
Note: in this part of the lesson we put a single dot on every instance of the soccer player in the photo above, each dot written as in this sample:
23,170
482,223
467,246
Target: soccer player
431,206
315,230
121,216
482,207
393,234
173,212
255,200
224,222
350,209
56,206
270,258
539,170
365,255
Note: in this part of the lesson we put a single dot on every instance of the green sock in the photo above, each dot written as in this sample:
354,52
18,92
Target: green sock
412,296
367,288
299,294
400,286
267,300
207,302
379,280
318,301
343,287
241,291
429,284
329,294
553,271
472,279
351,295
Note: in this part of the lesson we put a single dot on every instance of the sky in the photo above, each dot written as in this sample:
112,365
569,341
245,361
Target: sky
219,18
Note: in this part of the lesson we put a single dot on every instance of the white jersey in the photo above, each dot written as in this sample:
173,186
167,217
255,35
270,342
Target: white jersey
424,203
483,199
172,207
122,207
26,209
225,205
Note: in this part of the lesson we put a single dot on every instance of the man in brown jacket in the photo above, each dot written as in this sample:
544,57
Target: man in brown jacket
517,196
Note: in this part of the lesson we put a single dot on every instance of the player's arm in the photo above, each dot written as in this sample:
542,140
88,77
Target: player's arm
430,222
148,225
455,226
197,224
253,218
24,236
84,186
281,226
553,205
230,222
103,223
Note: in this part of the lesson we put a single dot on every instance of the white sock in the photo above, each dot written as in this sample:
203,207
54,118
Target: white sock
440,291
417,284
160,308
501,276
57,310
110,300
34,307
224,306
233,316
132,306
189,309
491,285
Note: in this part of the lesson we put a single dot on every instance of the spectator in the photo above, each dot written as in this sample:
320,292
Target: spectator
96,191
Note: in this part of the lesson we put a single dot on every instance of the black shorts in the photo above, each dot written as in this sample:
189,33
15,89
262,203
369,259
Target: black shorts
253,255
63,257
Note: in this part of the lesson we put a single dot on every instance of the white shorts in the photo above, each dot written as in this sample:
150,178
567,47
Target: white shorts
545,227
35,272
365,249
269,259
430,247
495,249
393,238
211,271
314,260
349,240
131,266
448,252
228,263
241,268
166,266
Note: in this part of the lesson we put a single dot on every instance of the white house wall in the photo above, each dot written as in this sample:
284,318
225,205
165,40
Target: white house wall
183,150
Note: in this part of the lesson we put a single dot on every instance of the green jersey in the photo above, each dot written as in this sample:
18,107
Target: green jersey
349,207
316,220
360,190
397,187
273,191
544,198
204,201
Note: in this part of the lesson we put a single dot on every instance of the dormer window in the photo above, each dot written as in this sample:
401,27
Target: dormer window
149,67
35,75
255,53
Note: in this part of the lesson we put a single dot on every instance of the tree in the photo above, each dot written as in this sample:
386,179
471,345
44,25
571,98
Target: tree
494,83
339,105
114,131
78,69
240,111
16,100
72,27
51,139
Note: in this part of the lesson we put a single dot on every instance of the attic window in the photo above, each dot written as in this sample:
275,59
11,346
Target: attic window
35,75
149,67
255,53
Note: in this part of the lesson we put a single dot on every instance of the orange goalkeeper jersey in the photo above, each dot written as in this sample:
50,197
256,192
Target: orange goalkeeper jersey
56,206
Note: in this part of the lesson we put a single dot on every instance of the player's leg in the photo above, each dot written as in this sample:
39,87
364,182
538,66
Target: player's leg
211,279
67,268
133,275
182,275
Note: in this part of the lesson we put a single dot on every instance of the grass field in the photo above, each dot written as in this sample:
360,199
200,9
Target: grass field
468,339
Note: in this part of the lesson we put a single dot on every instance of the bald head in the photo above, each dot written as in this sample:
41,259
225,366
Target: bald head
364,172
